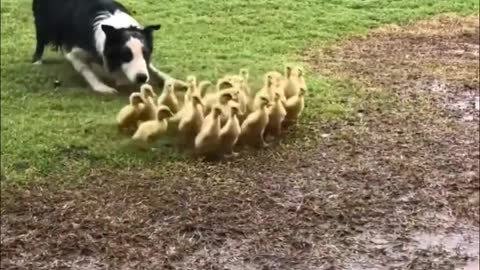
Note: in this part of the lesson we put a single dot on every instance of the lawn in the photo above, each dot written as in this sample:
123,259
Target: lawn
47,131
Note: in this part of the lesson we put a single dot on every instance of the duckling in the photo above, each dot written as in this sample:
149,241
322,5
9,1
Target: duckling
238,82
149,110
150,131
199,89
208,139
294,107
245,95
276,115
192,80
230,132
253,128
168,97
220,96
245,75
191,120
203,86
191,84
301,78
278,84
267,91
224,105
128,116
294,80
194,89
276,78
147,92
190,92
225,83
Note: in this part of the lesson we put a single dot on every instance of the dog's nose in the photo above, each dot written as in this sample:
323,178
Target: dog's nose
141,78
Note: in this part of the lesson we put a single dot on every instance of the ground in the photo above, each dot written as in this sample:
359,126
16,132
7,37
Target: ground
384,167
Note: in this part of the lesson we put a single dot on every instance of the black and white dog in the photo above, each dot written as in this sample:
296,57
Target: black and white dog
97,33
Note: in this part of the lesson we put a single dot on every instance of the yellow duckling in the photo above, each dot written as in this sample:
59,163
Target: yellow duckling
168,97
192,80
276,115
194,89
278,84
245,75
241,82
294,80
224,102
268,90
128,116
149,110
253,128
230,132
301,78
202,88
191,120
294,107
191,84
235,85
208,139
150,131
220,96
190,92
225,83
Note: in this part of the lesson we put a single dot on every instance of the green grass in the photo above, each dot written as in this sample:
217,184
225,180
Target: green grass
47,131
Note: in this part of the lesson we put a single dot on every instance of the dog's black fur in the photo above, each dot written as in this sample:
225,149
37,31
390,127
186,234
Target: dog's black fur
68,23
75,24
115,51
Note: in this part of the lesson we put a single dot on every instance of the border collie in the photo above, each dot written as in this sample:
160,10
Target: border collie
94,33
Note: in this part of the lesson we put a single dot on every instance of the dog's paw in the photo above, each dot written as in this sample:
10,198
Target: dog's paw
37,63
103,89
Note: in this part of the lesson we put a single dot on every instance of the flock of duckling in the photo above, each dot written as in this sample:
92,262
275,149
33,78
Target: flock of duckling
214,123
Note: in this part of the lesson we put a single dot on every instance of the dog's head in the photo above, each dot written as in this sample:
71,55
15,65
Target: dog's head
129,50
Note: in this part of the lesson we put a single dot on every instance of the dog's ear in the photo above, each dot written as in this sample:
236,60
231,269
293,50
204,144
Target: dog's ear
110,31
150,28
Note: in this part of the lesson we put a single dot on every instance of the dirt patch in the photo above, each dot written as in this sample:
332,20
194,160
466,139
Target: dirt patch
355,194
437,57
432,68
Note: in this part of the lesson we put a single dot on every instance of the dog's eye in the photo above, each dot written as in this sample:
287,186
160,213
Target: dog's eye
125,55
121,55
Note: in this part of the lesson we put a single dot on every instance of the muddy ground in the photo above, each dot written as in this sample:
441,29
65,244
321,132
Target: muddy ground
396,186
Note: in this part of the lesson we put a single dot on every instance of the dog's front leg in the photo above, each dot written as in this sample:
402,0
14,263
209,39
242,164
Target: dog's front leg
80,64
162,76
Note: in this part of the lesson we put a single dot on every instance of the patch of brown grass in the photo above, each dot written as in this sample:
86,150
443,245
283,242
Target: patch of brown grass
439,57
447,46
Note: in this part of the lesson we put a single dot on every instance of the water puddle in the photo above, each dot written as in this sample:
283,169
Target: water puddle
465,243
458,250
